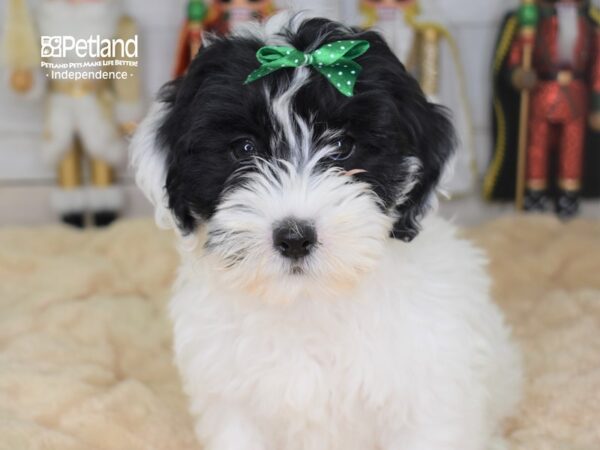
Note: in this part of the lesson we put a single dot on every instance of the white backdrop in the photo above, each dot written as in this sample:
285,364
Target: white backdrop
474,25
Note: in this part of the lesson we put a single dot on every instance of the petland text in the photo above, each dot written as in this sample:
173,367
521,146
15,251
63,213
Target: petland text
93,47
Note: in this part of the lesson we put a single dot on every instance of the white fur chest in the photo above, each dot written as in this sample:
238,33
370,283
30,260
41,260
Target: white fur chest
330,373
299,323
290,368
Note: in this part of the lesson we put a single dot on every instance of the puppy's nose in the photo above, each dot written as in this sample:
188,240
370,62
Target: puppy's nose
294,238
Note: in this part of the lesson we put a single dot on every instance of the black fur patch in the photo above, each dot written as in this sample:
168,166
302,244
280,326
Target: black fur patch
388,117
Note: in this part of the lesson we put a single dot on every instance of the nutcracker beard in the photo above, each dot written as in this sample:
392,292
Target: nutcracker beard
565,61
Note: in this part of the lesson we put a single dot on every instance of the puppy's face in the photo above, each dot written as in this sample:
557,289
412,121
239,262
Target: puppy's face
291,186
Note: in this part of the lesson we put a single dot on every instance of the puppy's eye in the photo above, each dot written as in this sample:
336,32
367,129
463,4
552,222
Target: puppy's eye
243,148
344,149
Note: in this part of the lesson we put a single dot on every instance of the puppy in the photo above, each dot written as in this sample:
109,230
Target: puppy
316,308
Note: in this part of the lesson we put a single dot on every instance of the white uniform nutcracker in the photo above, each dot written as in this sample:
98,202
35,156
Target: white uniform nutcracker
86,120
417,32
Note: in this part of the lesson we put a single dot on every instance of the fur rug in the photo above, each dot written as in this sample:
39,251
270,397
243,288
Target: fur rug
85,358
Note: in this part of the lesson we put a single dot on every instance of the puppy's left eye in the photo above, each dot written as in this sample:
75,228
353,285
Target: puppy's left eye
344,149
243,148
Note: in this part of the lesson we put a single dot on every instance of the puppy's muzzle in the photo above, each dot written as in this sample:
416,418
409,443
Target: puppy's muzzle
294,238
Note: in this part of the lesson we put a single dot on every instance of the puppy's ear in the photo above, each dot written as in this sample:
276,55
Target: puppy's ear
428,135
156,164
434,143
148,160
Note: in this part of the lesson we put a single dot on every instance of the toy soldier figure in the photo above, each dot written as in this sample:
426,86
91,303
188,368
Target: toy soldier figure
89,110
417,31
221,17
556,64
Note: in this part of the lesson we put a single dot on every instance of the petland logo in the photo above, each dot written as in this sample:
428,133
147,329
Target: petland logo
93,47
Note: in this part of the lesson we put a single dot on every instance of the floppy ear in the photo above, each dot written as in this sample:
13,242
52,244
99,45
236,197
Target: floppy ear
434,143
148,160
428,136
431,142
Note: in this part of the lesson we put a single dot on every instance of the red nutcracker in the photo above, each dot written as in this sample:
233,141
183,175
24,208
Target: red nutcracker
221,17
554,61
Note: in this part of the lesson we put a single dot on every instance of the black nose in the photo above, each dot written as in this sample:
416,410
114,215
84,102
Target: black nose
294,238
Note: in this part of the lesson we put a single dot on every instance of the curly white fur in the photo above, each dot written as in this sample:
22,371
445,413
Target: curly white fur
368,343
414,356
377,345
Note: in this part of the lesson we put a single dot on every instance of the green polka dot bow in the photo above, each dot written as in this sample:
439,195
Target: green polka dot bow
334,61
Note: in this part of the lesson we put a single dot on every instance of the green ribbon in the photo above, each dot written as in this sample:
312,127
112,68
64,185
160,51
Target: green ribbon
334,61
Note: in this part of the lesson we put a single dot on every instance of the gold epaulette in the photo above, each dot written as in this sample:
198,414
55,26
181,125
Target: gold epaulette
595,14
504,44
74,88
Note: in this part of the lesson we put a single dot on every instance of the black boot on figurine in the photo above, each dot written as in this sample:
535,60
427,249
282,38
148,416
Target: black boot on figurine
567,204
536,201
74,219
104,218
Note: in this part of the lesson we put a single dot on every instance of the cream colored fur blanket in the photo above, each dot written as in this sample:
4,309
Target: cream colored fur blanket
85,359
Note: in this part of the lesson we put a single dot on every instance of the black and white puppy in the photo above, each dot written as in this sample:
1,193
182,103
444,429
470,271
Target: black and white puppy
307,312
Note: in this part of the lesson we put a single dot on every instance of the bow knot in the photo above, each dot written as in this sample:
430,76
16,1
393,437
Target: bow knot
335,61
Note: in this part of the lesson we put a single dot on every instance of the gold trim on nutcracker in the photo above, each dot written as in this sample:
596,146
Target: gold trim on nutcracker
505,42
74,88
195,28
564,77
569,185
128,128
527,33
19,43
595,14
537,185
370,14
21,80
443,33
430,61
491,178
101,172
69,169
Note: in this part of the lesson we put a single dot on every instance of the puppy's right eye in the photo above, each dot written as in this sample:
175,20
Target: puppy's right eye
344,149
243,148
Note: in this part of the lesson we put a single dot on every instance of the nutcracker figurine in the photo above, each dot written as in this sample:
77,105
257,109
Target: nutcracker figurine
221,17
21,51
547,107
417,32
92,100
